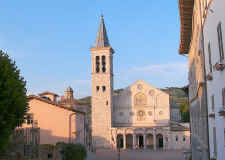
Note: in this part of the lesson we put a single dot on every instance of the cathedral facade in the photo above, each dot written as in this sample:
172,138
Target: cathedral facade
137,117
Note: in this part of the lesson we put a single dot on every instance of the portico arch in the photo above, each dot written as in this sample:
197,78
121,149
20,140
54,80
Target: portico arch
159,141
119,141
140,141
149,141
129,141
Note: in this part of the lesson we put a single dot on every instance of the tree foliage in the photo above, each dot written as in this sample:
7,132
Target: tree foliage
185,113
13,101
73,152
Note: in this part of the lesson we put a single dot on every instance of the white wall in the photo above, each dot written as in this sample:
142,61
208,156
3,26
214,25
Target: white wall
124,103
215,15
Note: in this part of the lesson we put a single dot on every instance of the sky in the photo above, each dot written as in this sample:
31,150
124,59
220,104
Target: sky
50,41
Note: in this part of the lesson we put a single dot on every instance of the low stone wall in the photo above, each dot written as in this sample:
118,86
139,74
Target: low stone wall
49,152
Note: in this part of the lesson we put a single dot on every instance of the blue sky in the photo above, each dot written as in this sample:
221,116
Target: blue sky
50,41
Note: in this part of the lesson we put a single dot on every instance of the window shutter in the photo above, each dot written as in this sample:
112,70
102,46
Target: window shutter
224,135
220,41
214,140
213,103
210,57
223,96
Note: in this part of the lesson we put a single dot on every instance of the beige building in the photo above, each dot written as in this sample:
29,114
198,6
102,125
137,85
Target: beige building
135,117
63,120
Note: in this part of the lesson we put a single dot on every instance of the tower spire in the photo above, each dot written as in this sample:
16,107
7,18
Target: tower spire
102,38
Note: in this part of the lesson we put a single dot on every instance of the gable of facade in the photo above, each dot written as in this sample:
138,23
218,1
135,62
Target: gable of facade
141,105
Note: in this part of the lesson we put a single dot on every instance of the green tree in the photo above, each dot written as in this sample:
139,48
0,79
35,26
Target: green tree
73,152
13,101
184,110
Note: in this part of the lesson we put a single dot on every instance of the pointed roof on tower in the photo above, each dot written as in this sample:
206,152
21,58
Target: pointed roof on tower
102,38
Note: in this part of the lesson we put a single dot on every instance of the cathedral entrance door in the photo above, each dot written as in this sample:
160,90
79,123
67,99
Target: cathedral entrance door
161,142
119,141
159,138
140,141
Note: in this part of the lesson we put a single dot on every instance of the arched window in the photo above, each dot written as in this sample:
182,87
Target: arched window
103,64
97,64
97,88
140,99
103,88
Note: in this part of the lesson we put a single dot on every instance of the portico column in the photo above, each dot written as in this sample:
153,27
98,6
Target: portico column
134,141
154,140
116,143
124,141
164,142
144,141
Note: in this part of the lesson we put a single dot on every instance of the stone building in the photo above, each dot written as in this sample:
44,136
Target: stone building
135,117
202,38
191,38
213,38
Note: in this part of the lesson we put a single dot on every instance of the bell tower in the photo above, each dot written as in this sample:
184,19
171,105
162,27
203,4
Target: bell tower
102,89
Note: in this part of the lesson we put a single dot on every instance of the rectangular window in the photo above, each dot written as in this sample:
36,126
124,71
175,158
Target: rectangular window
29,118
212,103
210,57
214,141
223,97
97,64
103,64
220,41
224,137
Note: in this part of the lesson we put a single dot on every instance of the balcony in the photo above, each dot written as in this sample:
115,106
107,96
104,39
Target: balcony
222,111
212,115
219,66
209,76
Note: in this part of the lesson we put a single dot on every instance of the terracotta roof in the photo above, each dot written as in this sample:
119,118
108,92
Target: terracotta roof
102,38
47,92
30,97
186,12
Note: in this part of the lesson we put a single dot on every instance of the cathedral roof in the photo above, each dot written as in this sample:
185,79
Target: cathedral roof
102,38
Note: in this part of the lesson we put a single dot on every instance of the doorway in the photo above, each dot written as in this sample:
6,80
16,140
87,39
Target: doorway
159,138
119,141
140,141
